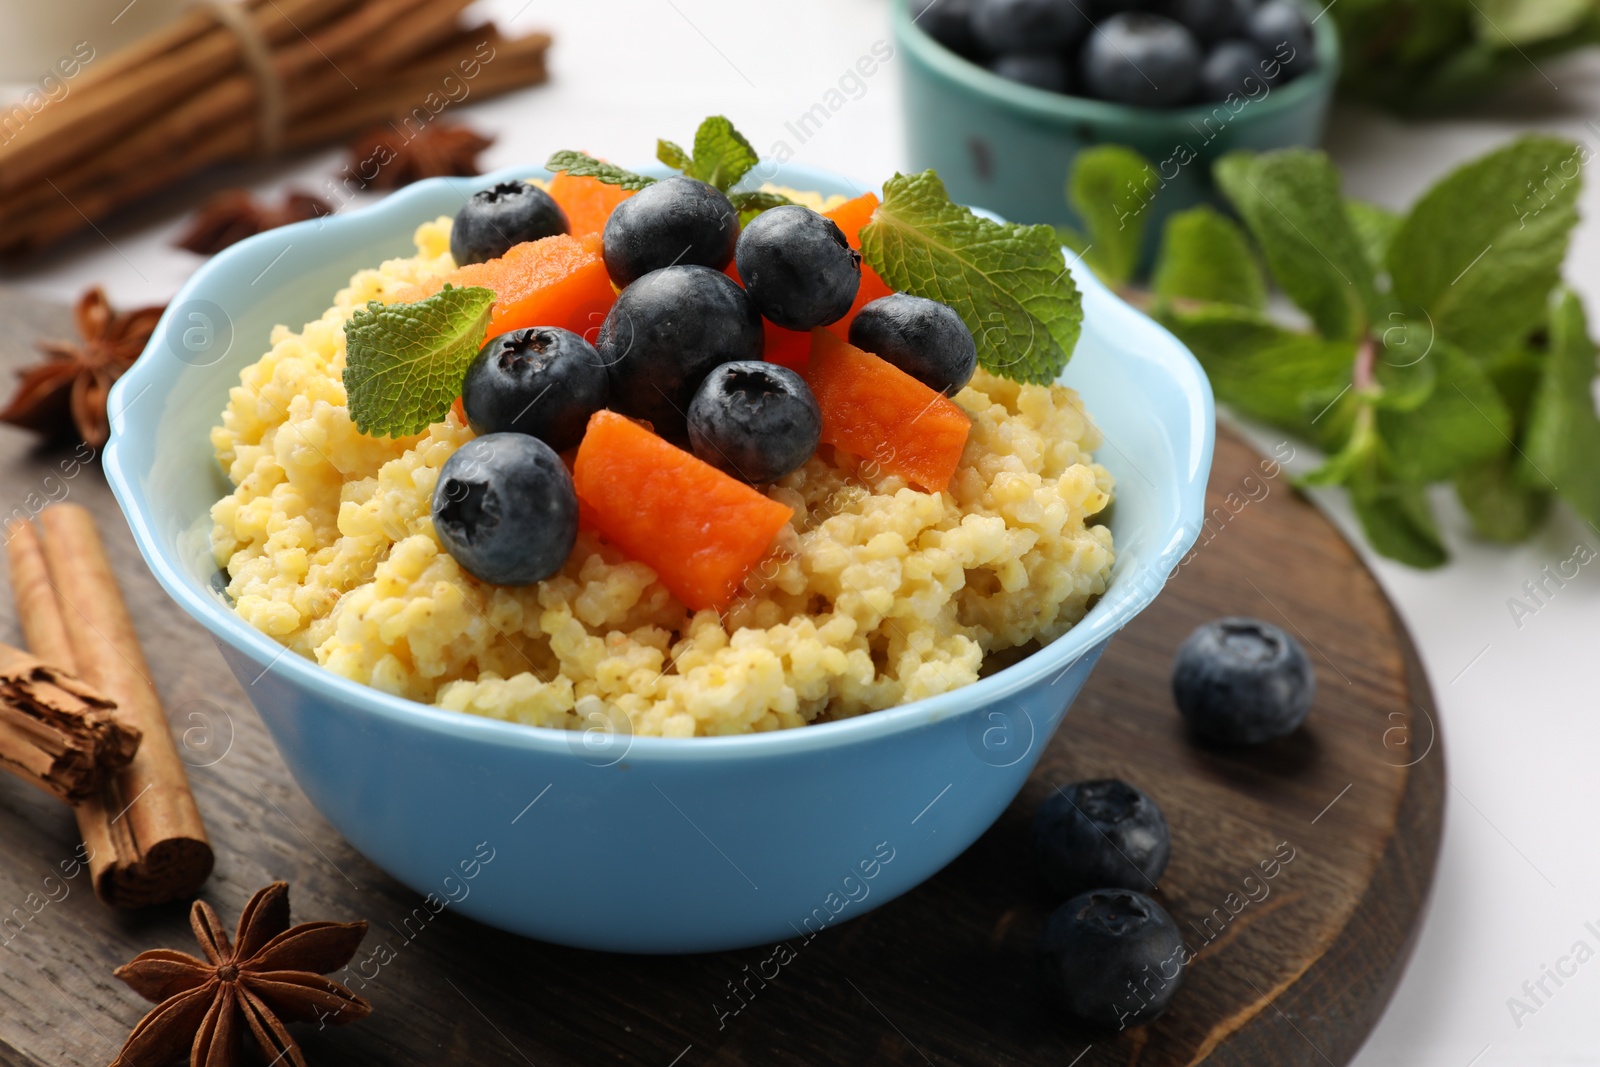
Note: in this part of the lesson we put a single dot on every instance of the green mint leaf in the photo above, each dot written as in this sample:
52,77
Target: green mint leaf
749,205
1375,228
1290,201
1393,511
1562,440
1462,422
721,154
1397,518
1516,373
1482,249
1111,188
1403,384
1501,507
1204,256
580,165
1009,283
1261,370
404,363
674,156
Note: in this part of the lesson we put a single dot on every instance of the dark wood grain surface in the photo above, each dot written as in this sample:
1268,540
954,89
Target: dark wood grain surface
1292,969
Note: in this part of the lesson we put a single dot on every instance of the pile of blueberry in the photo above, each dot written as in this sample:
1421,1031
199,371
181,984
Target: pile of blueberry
1148,53
1113,956
681,348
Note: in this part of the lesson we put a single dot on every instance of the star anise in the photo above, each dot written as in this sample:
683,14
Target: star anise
269,974
383,158
234,214
68,390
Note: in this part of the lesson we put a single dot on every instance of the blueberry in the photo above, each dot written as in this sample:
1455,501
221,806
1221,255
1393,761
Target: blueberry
665,333
949,22
543,381
1232,68
1029,25
798,268
507,214
1114,957
674,221
505,509
922,337
1242,682
1209,20
1284,33
756,421
1141,59
1101,833
1042,70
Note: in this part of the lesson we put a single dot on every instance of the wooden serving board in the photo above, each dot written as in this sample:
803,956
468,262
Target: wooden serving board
1291,969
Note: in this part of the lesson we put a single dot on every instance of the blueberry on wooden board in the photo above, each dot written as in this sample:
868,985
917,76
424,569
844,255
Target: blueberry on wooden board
1242,682
1114,958
1099,834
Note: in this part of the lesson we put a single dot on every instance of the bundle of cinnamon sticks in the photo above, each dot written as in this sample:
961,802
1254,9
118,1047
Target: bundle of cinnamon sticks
234,79
83,721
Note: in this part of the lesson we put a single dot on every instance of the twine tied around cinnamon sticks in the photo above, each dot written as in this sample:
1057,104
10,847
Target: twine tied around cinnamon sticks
142,831
274,106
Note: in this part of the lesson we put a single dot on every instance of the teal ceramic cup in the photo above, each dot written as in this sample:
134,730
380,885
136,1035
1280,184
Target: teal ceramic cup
593,837
1009,147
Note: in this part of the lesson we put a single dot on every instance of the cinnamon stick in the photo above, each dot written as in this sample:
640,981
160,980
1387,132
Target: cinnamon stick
146,842
57,732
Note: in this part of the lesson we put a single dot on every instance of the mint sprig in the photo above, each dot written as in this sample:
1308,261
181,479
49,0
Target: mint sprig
404,363
1009,283
1443,348
582,165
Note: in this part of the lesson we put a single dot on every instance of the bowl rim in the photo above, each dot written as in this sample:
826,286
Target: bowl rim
1122,601
1063,107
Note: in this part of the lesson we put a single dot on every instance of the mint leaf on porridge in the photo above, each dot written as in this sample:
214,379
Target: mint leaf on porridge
404,363
749,205
581,165
1290,202
1111,188
674,156
1482,249
1008,282
721,154
1204,256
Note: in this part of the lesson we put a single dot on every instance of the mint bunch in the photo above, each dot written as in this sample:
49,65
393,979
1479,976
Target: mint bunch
1442,349
404,363
722,156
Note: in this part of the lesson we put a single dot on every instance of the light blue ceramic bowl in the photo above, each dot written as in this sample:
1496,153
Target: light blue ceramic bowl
600,840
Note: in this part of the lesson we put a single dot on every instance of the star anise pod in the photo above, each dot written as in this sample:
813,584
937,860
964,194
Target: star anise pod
268,975
234,214
384,158
68,390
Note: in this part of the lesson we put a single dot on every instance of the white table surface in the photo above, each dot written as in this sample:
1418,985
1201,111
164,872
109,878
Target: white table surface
1519,873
